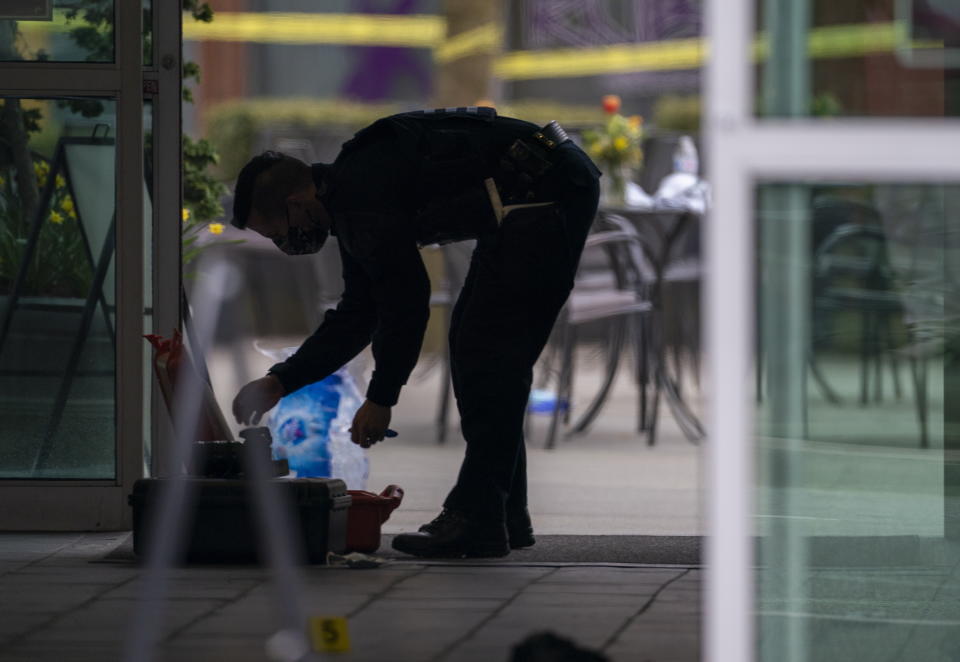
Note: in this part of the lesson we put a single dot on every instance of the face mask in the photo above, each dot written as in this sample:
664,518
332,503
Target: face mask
301,241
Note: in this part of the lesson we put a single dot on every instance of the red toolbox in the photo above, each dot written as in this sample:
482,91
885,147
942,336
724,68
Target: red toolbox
366,513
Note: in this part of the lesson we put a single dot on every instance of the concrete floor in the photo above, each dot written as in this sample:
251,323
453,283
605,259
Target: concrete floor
878,584
61,604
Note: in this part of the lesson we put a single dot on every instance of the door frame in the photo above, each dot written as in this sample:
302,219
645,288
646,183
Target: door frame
102,504
742,152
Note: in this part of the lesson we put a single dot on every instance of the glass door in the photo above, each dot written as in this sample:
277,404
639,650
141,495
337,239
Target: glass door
833,326
76,278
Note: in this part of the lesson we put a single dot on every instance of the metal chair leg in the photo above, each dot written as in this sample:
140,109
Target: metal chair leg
443,409
643,365
567,394
562,382
918,369
614,347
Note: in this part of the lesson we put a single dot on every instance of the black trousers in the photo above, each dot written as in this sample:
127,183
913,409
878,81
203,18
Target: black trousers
518,281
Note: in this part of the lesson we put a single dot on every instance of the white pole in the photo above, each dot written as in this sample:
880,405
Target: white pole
729,585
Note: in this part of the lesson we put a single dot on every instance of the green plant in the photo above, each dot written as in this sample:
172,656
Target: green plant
681,113
616,147
826,104
60,251
201,190
60,264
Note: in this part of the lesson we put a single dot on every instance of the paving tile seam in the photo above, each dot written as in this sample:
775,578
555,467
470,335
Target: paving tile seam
901,650
496,612
223,603
640,612
42,558
16,639
551,564
383,592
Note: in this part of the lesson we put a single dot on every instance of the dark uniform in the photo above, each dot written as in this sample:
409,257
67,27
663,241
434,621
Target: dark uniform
416,179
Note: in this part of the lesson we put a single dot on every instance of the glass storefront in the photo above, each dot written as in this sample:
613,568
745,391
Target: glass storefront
857,312
57,285
861,58
858,326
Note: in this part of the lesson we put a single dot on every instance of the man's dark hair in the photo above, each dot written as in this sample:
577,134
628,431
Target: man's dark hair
265,183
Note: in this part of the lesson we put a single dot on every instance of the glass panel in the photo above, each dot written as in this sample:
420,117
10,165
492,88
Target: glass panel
857,355
147,33
148,325
57,316
858,58
79,32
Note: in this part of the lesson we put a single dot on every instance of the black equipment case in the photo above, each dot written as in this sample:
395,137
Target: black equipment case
221,523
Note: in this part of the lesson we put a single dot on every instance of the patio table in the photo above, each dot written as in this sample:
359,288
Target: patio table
660,231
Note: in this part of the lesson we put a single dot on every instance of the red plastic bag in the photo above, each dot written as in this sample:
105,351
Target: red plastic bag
169,360
367,512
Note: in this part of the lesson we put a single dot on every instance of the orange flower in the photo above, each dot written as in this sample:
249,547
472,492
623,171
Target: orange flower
611,103
635,121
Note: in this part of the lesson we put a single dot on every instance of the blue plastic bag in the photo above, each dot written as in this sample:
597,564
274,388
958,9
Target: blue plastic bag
310,428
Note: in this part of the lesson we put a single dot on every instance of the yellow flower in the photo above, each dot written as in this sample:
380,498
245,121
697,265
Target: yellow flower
61,182
621,144
216,228
67,206
56,217
185,214
41,167
635,121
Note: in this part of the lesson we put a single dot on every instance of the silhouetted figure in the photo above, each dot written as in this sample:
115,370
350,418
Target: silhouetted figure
527,195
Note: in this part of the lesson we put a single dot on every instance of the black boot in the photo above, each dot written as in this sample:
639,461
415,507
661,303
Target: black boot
453,535
520,529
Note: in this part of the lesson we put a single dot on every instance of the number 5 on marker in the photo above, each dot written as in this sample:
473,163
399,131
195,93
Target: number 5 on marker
329,634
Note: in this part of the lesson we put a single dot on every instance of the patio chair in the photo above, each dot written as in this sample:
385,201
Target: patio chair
852,273
617,297
670,260
829,212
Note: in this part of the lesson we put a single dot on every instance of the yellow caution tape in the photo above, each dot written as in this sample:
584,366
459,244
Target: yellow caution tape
329,634
429,31
487,38
412,31
618,58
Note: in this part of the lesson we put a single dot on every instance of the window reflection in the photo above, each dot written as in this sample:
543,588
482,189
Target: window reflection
57,294
78,32
855,372
861,58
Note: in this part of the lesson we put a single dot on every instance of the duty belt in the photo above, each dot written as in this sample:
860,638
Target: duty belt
521,168
466,214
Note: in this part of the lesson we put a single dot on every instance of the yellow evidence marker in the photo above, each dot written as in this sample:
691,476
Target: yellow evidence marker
329,634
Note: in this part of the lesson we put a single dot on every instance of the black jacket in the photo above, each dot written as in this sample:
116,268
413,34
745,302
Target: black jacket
385,193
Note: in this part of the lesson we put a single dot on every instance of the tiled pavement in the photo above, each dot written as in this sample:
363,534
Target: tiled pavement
58,605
